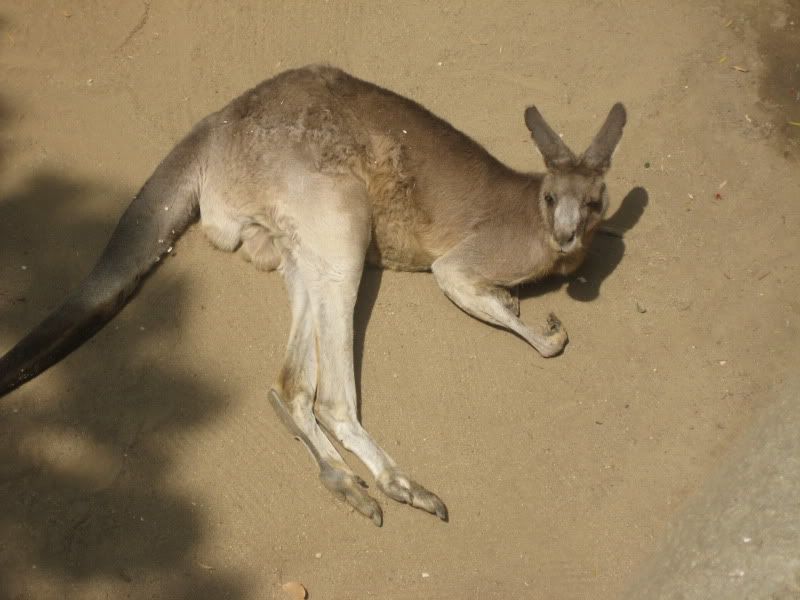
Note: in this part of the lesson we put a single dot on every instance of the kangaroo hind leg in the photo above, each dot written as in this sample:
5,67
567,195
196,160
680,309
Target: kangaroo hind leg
292,397
330,221
332,263
334,302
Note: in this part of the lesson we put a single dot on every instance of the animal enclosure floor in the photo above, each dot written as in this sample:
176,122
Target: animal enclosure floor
149,464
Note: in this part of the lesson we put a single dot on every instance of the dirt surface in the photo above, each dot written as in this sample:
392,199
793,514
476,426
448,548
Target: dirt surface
149,463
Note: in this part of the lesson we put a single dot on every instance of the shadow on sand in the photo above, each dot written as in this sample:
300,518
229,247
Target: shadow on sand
605,253
85,490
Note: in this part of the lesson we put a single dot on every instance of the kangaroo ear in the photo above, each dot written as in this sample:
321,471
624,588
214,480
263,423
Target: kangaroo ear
554,151
598,155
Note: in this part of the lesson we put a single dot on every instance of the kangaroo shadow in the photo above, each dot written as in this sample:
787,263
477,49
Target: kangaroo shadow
5,115
367,296
85,489
604,256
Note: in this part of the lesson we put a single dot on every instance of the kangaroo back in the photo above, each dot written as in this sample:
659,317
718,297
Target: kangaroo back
156,217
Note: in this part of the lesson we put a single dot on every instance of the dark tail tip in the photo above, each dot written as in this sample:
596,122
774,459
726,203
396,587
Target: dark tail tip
142,236
53,339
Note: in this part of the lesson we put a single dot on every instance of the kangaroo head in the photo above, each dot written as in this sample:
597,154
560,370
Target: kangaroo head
572,196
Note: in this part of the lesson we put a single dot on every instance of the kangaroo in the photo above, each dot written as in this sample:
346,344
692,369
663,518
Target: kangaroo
316,173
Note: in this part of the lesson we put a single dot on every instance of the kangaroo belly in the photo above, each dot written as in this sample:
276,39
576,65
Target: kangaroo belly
398,222
395,243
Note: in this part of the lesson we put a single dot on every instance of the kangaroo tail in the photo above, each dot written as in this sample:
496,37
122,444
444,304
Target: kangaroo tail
160,212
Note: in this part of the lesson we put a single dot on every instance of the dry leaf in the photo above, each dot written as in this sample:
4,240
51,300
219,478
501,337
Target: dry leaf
295,590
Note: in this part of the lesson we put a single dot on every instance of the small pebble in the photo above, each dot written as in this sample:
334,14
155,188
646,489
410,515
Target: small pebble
426,575
640,308
736,573
295,590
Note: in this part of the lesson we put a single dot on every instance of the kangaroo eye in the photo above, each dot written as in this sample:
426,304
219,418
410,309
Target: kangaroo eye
550,199
595,205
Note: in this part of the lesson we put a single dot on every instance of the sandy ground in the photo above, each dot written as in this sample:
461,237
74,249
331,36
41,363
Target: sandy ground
149,464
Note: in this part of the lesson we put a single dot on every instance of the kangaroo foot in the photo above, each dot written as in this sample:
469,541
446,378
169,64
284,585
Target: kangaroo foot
351,489
402,488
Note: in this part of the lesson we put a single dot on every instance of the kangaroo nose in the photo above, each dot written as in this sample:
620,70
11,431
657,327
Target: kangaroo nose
565,238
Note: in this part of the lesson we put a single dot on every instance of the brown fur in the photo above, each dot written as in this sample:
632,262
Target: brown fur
314,173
